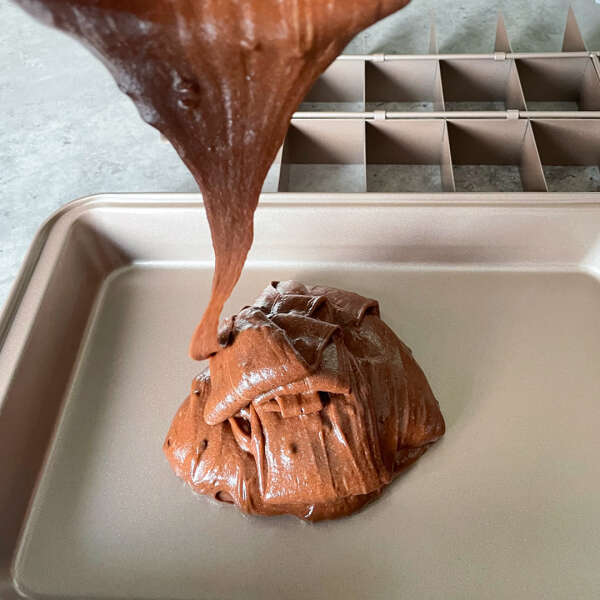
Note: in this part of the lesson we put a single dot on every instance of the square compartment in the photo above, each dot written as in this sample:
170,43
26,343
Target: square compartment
403,86
408,156
323,155
481,84
561,84
340,88
570,153
494,155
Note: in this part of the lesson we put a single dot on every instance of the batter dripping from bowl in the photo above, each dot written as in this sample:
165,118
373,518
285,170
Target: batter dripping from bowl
221,80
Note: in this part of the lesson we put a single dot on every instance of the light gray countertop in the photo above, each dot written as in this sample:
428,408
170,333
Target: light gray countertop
66,131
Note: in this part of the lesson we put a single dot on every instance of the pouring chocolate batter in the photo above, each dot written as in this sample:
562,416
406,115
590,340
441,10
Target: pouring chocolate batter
221,79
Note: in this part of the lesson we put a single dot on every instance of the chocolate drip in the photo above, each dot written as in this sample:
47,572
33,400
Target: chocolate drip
220,79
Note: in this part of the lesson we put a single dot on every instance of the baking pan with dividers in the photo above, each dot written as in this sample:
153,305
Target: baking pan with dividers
500,122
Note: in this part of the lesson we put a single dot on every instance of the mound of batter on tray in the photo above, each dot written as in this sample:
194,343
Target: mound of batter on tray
311,407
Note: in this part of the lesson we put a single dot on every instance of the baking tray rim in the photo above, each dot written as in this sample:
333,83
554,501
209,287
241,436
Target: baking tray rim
11,326
76,207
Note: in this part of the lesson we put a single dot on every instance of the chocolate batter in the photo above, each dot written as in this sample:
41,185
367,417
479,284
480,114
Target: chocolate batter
312,407
220,79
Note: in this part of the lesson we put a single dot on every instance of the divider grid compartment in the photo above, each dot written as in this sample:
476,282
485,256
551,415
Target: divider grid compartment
323,155
339,88
494,155
403,85
499,122
572,166
563,84
408,156
481,84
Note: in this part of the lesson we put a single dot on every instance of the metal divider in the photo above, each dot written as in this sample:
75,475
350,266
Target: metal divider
433,43
532,172
502,43
448,181
572,39
443,122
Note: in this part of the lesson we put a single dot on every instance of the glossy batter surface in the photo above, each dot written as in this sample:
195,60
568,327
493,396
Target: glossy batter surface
312,407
